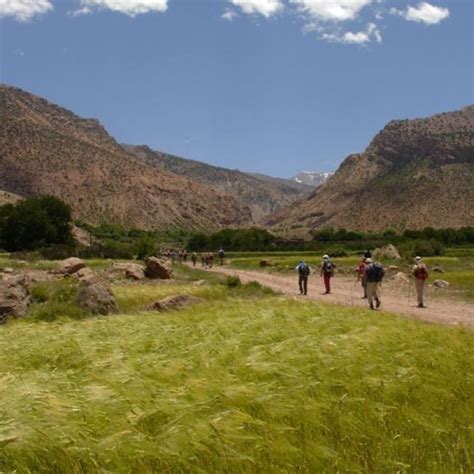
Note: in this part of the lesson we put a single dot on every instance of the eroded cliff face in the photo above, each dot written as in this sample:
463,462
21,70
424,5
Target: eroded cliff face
414,174
46,149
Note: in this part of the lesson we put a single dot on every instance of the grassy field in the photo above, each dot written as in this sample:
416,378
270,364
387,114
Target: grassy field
246,381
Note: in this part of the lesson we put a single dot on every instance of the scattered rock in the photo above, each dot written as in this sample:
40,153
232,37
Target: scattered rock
14,298
200,283
85,274
96,297
8,270
266,263
401,277
393,267
157,268
437,270
388,251
174,302
71,265
441,283
133,271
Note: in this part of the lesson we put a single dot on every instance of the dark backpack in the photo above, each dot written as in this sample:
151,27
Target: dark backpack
375,272
303,269
328,268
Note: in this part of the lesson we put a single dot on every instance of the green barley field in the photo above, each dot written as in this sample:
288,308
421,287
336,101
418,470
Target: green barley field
244,382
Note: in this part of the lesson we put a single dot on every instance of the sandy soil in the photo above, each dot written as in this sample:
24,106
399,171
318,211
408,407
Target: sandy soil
396,297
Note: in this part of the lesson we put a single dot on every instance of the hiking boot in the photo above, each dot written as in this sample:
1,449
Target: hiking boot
371,306
377,303
421,306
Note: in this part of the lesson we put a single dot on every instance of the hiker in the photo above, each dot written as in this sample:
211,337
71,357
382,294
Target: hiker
374,273
327,272
185,255
361,276
203,260
303,273
194,258
420,272
367,254
221,256
210,259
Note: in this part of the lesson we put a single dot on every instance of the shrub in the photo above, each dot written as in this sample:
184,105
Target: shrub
108,249
34,223
233,282
336,251
425,248
146,247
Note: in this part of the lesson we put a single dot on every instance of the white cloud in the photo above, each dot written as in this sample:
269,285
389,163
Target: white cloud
423,13
361,37
128,7
24,10
331,10
267,8
229,15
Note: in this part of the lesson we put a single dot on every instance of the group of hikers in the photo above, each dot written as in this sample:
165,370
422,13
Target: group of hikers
370,274
207,258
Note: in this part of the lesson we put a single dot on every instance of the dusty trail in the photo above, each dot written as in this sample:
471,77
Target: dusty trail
395,298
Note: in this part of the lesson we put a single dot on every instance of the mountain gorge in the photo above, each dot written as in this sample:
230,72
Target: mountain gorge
46,149
414,174
263,195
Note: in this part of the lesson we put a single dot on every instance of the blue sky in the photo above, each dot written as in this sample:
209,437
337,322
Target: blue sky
273,86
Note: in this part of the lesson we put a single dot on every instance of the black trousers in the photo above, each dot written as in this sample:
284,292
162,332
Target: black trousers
303,284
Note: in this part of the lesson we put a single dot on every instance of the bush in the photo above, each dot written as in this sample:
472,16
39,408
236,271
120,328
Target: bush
109,249
425,248
146,247
233,282
35,223
336,251
57,252
54,299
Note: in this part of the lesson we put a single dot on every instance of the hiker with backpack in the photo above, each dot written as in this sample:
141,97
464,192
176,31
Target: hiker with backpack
221,256
420,272
194,258
361,275
374,273
327,272
303,273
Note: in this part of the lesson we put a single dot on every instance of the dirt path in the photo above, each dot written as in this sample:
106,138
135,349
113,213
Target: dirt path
396,297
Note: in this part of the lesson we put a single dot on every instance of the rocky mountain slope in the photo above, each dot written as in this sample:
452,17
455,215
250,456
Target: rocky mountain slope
46,149
304,189
262,196
311,178
8,198
414,174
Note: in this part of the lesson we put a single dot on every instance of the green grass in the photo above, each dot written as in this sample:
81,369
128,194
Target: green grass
270,385
461,283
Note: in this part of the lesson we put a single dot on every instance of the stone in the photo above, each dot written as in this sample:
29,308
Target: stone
14,298
71,265
84,274
441,283
133,271
96,297
266,263
393,267
401,277
157,268
200,283
437,270
8,270
174,302
388,251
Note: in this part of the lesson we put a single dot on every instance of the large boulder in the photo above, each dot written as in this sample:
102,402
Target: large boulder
388,251
14,298
157,268
96,297
71,265
174,302
133,271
